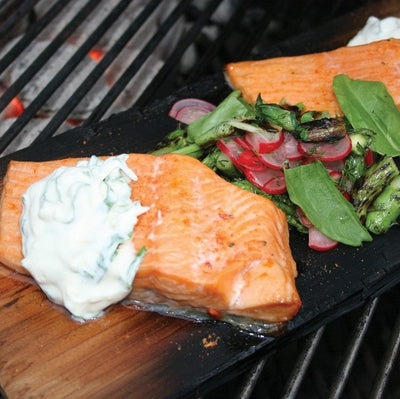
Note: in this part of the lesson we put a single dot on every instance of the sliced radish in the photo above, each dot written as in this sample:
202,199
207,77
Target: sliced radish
272,181
231,149
289,147
274,160
319,241
242,142
327,151
188,110
287,151
249,160
335,175
264,142
334,165
304,220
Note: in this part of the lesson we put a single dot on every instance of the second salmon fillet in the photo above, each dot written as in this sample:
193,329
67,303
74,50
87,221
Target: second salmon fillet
211,246
308,78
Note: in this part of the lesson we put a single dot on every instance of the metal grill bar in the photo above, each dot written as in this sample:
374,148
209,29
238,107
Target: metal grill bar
246,389
212,51
53,85
303,361
14,89
46,54
387,364
352,350
136,64
33,32
297,375
174,58
24,8
97,72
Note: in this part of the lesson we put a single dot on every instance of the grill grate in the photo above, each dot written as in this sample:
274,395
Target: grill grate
352,357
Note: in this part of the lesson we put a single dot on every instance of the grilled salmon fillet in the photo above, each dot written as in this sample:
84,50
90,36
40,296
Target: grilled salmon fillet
308,78
210,245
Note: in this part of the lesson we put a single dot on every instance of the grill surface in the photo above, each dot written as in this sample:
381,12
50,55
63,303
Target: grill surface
353,357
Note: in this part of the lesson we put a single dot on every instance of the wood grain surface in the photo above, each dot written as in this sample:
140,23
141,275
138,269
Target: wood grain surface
44,353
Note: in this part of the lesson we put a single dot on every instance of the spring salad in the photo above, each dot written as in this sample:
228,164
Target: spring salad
336,178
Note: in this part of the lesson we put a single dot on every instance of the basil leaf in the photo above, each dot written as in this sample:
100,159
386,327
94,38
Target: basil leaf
311,188
368,104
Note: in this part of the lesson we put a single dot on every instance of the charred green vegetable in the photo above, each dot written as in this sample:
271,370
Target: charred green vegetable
319,130
377,177
361,139
385,210
276,115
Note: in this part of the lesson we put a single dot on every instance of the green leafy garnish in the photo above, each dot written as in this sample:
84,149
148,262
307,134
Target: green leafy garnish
368,105
212,126
311,188
275,114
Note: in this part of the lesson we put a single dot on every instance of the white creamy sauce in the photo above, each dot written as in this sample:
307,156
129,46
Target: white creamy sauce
377,29
77,225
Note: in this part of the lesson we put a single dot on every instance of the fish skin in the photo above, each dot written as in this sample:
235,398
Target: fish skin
308,78
210,244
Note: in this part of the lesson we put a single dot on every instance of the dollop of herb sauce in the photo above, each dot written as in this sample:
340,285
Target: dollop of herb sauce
77,226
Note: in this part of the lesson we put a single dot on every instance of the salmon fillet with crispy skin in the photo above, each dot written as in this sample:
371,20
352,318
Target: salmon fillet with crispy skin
210,244
308,78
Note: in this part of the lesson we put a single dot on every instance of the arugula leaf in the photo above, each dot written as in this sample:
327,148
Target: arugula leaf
311,188
368,104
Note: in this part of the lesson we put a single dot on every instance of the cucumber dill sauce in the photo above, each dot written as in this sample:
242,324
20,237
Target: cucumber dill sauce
77,226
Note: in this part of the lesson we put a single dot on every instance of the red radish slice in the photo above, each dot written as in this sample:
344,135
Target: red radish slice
319,241
327,151
190,109
335,175
231,149
334,165
289,147
287,151
274,160
304,220
242,142
247,159
271,181
264,142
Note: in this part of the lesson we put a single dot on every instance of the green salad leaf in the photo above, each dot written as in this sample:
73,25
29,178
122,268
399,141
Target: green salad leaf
312,189
368,105
212,126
